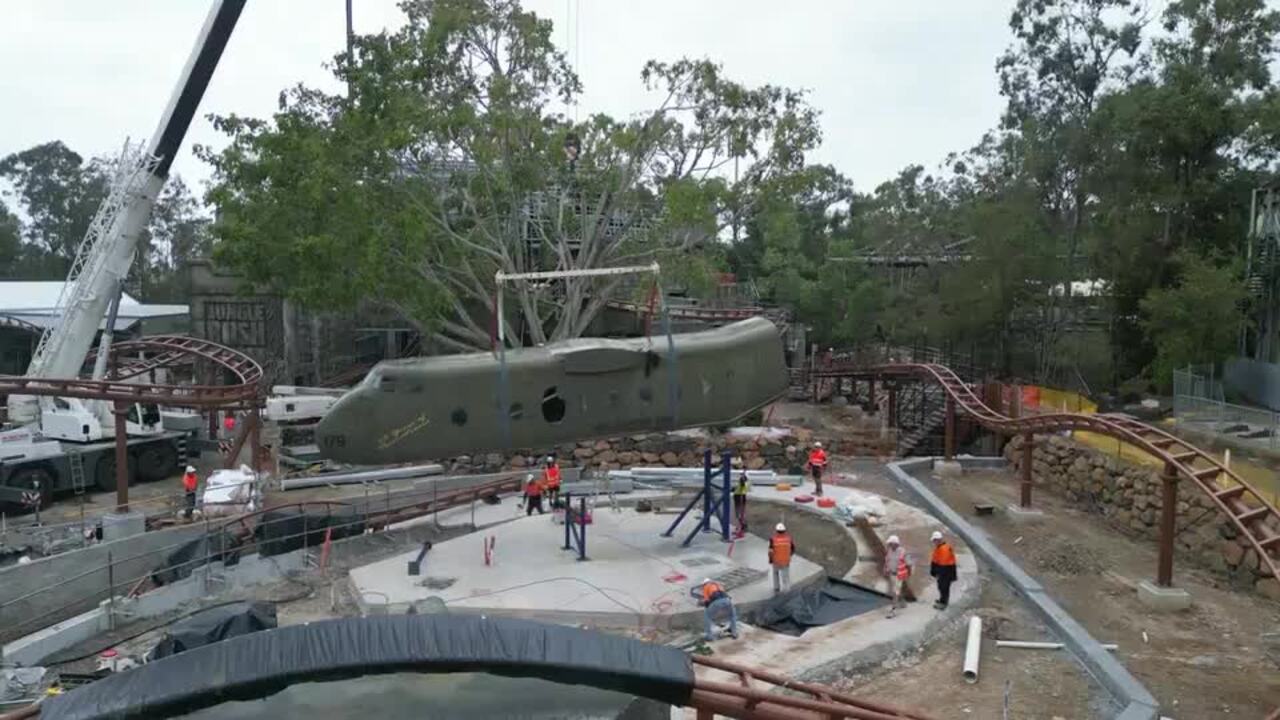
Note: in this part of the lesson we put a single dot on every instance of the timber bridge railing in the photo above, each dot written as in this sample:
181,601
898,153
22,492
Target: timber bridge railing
1247,509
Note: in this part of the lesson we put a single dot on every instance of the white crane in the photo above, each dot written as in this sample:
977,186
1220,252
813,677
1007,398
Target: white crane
106,254
51,439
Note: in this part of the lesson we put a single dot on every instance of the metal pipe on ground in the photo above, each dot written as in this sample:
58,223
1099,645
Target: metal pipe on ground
1032,645
363,476
972,650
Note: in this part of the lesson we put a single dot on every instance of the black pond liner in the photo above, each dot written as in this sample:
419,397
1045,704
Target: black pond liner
816,605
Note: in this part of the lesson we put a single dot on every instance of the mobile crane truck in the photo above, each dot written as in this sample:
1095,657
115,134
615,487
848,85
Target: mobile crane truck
53,444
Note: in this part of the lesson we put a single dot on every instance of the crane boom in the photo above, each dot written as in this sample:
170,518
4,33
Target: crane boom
106,254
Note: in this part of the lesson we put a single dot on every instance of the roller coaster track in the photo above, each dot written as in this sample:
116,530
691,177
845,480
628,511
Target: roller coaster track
168,349
1248,510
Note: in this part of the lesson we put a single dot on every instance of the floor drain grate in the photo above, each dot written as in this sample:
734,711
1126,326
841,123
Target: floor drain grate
700,561
738,577
436,583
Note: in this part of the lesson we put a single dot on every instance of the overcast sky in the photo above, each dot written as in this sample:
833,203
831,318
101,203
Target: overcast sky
897,82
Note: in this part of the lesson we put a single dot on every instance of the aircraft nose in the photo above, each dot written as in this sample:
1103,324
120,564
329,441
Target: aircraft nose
334,433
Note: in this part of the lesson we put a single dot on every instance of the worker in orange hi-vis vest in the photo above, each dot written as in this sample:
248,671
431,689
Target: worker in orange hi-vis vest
716,603
897,570
551,480
781,548
189,484
942,566
817,463
532,495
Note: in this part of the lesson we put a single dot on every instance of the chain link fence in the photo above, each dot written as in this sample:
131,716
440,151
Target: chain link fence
1199,399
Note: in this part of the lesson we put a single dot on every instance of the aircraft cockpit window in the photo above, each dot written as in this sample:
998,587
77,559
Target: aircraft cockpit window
386,384
553,406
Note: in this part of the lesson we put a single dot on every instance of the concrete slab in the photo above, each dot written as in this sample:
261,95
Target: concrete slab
1163,599
1019,514
634,577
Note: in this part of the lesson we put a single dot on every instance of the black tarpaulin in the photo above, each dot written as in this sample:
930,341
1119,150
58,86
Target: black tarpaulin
263,663
215,625
216,546
816,605
287,529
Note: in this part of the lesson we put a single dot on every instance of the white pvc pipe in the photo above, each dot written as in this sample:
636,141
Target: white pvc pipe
971,650
1033,645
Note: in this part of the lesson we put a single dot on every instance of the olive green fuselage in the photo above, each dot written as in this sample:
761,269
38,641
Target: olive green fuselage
427,408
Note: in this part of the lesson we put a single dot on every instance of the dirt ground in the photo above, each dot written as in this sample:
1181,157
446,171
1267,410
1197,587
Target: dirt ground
1040,684
1206,662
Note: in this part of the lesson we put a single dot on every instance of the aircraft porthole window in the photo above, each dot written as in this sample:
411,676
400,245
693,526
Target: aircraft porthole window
553,406
613,398
646,394
459,417
517,411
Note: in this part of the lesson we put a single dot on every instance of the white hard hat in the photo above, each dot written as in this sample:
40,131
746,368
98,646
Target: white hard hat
817,444
528,476
551,458
191,468
936,535
705,581
893,540
780,527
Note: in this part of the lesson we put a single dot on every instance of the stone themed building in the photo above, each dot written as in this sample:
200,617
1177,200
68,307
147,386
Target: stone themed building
294,346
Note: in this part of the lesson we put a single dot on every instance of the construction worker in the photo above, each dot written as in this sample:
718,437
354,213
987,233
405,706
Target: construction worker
551,480
897,570
532,495
817,463
942,566
715,601
740,492
781,548
189,484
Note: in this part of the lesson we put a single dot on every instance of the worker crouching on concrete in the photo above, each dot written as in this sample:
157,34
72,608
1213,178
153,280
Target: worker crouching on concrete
532,495
781,548
817,464
942,566
716,603
189,484
897,569
551,480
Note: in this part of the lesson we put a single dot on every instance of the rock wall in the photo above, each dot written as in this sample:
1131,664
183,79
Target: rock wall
1129,497
783,450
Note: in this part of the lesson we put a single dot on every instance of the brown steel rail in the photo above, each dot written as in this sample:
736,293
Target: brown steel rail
754,695
1248,510
243,394
170,349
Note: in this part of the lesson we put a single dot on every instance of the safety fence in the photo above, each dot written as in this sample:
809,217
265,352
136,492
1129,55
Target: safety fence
1200,400
74,523
221,542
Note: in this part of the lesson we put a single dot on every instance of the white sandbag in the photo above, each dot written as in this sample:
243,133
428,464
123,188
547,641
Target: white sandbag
228,492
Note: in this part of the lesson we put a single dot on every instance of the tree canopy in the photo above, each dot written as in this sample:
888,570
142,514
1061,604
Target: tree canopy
447,163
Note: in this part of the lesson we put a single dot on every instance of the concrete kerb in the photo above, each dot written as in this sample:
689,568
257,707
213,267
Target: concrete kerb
1138,701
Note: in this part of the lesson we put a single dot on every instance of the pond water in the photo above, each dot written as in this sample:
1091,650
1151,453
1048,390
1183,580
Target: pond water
409,695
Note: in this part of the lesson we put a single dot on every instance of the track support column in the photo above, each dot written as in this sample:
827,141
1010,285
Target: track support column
120,409
871,388
255,438
1168,524
1028,454
892,387
949,424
